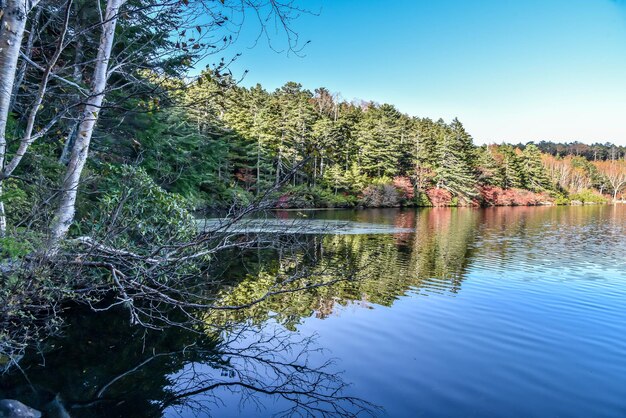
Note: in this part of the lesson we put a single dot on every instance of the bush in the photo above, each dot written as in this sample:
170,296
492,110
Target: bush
133,208
15,247
327,199
587,196
405,187
561,200
422,200
239,196
380,196
497,196
439,197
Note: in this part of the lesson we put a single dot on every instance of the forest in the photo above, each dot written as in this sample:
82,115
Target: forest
84,112
113,142
366,154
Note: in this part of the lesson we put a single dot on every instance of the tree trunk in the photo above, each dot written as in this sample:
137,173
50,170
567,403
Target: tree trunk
78,78
258,166
28,49
279,163
28,138
12,24
64,215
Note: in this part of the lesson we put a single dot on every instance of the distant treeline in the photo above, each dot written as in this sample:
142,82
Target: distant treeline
593,152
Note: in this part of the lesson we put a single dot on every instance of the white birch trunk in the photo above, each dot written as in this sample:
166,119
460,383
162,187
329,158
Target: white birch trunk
64,215
28,138
12,24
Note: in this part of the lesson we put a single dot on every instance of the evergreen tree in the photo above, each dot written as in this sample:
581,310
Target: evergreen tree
453,170
535,177
511,171
490,172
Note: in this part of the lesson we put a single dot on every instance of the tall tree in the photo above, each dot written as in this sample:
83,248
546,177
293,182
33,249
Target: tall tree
13,19
64,215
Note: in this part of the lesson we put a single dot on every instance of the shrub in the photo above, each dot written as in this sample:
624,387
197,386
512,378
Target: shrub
14,247
439,197
137,211
497,196
328,199
561,200
404,186
382,195
587,196
422,200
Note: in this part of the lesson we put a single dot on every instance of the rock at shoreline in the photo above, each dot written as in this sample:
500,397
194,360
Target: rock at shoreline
10,408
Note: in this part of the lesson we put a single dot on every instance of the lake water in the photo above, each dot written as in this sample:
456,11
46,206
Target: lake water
516,312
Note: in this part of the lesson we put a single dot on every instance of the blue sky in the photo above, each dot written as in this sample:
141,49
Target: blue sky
509,70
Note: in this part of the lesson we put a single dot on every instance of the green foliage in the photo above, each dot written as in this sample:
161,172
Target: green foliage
355,178
490,172
14,247
588,197
326,198
561,199
15,197
511,169
422,200
27,194
233,142
534,176
380,181
454,170
335,179
135,210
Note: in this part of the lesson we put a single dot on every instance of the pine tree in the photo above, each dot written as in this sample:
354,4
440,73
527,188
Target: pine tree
453,170
511,171
535,177
490,172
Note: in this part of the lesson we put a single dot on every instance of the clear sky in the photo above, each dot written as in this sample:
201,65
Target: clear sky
509,70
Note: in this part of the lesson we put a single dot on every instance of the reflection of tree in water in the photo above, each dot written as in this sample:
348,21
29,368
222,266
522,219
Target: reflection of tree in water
443,247
380,267
105,368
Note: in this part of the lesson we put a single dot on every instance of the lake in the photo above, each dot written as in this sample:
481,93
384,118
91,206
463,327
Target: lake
511,311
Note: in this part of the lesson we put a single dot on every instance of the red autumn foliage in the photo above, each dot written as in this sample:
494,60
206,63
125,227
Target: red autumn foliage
439,197
404,186
497,196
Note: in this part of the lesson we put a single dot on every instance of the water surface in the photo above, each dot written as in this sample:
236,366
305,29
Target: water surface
517,312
